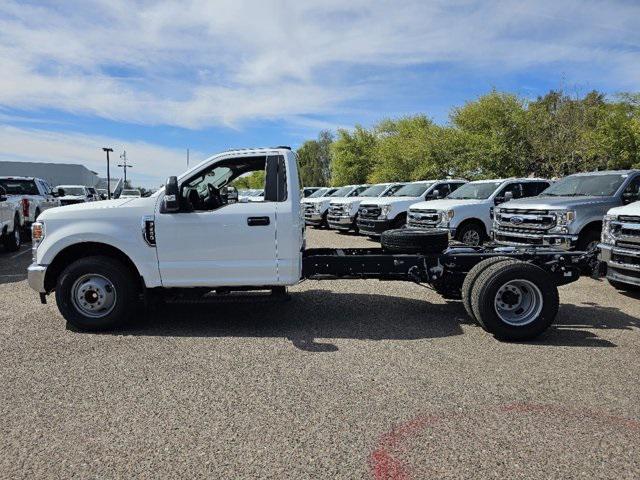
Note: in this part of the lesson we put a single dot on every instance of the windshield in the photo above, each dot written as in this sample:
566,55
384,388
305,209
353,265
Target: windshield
19,187
412,189
77,191
131,192
318,193
475,191
341,192
585,185
374,191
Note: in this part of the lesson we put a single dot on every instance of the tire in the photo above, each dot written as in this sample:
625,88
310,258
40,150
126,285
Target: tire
400,221
519,323
408,240
470,281
103,276
590,237
625,287
13,240
473,232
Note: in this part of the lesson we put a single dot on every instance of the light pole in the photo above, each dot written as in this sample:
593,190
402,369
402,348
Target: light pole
107,149
124,165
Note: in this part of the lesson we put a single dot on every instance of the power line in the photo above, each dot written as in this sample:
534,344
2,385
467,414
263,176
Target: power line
124,165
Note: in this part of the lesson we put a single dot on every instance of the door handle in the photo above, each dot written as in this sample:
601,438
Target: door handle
257,221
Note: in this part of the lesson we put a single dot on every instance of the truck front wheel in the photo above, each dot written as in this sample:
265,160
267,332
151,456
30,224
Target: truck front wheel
96,293
515,300
12,241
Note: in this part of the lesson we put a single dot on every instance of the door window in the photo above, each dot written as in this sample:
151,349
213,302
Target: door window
514,188
632,191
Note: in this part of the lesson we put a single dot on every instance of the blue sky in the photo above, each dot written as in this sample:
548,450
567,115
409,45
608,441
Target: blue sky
157,78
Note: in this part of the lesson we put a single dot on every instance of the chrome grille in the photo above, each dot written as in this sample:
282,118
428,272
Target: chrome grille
530,221
423,218
370,211
337,210
626,230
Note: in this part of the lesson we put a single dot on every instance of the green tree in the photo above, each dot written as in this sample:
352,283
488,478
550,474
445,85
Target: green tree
314,159
352,153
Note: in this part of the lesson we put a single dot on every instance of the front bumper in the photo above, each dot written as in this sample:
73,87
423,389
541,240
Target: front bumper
341,222
564,242
373,228
35,277
623,264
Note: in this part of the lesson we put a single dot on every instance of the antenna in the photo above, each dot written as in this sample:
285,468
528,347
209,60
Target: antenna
124,166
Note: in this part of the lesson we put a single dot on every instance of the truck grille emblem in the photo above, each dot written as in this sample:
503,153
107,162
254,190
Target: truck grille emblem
516,220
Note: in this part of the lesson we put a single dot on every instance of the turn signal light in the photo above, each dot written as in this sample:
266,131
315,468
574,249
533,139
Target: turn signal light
37,232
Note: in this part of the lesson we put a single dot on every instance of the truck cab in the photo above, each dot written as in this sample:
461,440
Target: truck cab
569,213
376,216
620,246
467,212
34,195
343,212
316,209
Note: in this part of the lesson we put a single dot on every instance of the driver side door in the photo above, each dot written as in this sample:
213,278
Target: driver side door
234,245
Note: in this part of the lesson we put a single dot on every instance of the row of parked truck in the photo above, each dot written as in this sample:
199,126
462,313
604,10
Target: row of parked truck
23,199
578,212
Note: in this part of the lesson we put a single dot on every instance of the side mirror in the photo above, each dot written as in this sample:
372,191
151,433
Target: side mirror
435,194
3,194
61,192
171,200
508,196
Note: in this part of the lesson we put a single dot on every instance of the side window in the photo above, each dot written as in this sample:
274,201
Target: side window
455,186
531,189
514,188
275,189
443,190
358,191
632,191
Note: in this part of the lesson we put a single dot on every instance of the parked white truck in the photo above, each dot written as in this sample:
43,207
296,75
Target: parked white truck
467,212
620,246
11,221
72,194
188,243
343,212
34,195
316,209
375,216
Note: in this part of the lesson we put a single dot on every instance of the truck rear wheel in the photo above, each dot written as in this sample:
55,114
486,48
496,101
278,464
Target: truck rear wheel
515,300
13,240
407,240
96,293
470,281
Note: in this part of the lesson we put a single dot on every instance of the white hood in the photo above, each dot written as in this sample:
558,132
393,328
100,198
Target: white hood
389,200
98,208
631,209
445,204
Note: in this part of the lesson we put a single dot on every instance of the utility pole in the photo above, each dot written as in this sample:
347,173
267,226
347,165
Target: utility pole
107,149
124,165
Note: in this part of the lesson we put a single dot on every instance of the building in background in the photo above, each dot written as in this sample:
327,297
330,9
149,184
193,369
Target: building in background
53,173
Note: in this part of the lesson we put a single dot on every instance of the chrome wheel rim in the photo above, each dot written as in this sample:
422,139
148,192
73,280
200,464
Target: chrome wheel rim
93,295
518,302
16,235
592,245
471,237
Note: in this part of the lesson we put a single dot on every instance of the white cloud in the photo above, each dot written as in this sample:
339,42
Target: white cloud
196,63
152,163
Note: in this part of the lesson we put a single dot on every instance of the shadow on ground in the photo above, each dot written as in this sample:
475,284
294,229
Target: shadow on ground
307,316
322,314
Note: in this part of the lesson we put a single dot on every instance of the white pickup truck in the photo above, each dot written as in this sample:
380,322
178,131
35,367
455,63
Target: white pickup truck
186,242
316,209
343,212
11,221
467,212
620,246
34,195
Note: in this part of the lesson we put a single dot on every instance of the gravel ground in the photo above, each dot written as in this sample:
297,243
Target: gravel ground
349,379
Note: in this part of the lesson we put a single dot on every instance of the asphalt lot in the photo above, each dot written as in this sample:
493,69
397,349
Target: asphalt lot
349,379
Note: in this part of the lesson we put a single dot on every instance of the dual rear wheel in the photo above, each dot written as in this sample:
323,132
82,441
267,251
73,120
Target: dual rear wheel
510,299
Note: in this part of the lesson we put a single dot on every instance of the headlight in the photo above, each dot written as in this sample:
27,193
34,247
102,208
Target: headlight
446,216
564,217
317,208
37,236
384,211
607,232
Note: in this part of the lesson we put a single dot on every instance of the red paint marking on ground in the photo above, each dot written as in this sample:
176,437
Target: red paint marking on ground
385,466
